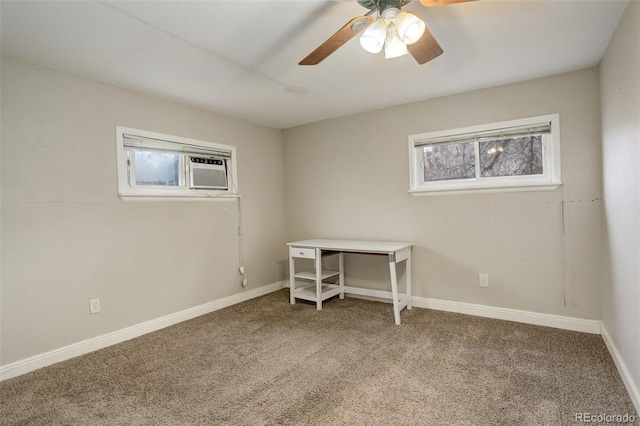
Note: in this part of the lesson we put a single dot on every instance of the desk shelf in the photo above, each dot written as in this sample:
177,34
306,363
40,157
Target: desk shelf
311,275
308,292
308,285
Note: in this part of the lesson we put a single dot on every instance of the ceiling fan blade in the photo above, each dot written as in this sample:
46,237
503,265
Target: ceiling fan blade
334,42
425,49
441,2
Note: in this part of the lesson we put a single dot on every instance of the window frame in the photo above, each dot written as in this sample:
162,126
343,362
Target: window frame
168,193
548,181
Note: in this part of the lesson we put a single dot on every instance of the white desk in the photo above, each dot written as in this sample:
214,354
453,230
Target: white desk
316,290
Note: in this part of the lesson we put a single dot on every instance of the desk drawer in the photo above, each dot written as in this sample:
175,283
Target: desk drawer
307,253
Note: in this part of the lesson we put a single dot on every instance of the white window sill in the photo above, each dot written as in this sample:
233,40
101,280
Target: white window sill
483,189
174,197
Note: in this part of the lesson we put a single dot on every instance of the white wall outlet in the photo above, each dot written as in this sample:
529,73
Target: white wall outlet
94,306
483,280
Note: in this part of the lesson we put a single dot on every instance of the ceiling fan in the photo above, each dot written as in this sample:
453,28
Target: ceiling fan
395,30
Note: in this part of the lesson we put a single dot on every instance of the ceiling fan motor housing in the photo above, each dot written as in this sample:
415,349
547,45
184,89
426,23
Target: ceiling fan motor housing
382,5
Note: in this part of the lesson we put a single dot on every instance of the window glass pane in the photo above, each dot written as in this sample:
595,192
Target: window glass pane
511,157
157,168
449,161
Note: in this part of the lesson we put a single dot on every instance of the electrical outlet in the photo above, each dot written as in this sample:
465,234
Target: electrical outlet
94,306
483,280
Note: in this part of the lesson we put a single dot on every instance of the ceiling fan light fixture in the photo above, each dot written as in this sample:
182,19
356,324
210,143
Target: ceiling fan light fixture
372,40
410,27
394,47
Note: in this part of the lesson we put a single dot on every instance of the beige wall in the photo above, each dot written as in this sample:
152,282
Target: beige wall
348,178
620,93
68,238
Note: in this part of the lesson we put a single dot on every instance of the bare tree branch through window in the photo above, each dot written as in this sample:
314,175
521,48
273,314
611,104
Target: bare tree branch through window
449,161
497,157
511,157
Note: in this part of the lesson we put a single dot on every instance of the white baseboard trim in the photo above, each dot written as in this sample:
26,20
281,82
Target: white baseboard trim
527,317
627,379
62,354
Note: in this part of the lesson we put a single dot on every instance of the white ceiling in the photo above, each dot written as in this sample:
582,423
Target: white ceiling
239,58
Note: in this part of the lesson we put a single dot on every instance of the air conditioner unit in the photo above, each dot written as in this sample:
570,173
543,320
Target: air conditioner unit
208,173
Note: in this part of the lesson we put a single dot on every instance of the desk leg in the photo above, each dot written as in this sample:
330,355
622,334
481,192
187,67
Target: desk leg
319,279
341,276
408,274
394,288
292,280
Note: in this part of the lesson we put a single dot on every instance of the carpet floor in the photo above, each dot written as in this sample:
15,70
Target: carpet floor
266,362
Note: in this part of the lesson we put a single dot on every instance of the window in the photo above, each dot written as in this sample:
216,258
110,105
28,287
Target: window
519,155
154,166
